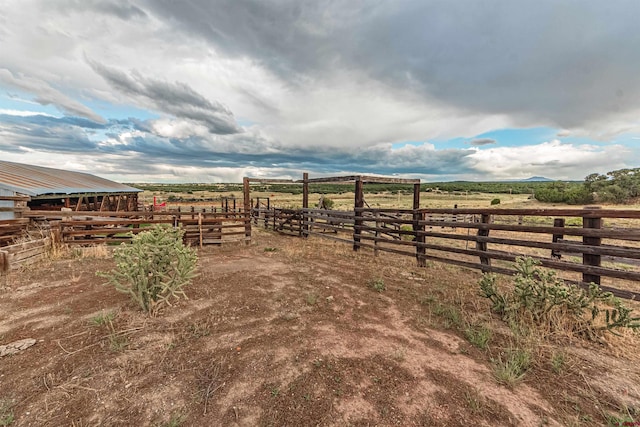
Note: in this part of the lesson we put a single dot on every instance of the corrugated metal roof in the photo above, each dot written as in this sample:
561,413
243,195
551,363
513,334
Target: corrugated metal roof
37,180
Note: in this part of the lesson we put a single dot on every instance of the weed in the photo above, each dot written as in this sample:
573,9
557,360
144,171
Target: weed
311,298
510,367
288,316
270,249
275,391
558,362
6,412
474,401
627,418
102,318
478,335
95,251
176,420
451,315
117,342
377,285
399,354
198,331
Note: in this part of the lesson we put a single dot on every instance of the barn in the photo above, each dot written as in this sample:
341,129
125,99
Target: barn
25,186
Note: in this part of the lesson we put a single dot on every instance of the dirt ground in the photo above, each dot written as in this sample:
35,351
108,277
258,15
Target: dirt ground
290,332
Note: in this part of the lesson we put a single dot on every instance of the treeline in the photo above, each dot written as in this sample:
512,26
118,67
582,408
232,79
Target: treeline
347,187
619,186
485,187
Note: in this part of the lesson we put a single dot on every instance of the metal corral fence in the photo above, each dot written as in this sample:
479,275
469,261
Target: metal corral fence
591,244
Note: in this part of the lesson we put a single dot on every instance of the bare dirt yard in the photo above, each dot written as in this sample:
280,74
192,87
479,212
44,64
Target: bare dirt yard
293,332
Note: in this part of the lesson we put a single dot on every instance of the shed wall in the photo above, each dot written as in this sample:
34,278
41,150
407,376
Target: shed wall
6,204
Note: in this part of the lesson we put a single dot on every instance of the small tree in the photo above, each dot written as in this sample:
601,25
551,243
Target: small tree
154,268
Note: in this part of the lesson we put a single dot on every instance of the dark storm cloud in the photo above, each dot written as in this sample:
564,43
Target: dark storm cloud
78,136
49,134
177,99
567,64
481,141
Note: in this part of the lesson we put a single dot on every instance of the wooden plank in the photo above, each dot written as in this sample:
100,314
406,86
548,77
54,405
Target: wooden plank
27,245
103,231
99,241
114,221
272,181
19,256
15,198
544,212
591,259
365,178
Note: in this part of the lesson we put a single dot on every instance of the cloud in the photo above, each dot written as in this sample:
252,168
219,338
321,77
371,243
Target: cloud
46,95
552,159
328,87
479,57
177,99
482,141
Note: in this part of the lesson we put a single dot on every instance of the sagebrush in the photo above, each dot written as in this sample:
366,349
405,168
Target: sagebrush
538,296
154,268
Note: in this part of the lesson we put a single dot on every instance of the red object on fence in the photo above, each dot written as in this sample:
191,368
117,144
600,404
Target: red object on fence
159,206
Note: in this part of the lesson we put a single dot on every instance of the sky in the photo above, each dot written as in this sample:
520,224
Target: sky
214,90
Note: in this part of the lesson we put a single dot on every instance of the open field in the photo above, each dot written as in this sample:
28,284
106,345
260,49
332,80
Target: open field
344,200
288,331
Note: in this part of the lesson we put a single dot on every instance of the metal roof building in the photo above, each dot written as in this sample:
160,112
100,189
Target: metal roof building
52,189
37,181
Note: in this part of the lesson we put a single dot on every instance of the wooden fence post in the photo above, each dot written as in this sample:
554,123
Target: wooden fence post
247,210
482,246
200,228
4,262
557,222
358,203
417,228
255,216
305,204
591,222
375,242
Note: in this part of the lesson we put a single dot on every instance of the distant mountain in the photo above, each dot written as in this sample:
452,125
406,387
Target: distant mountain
537,179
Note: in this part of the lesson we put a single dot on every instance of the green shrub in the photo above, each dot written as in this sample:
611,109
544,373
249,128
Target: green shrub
538,296
154,268
327,203
377,285
495,202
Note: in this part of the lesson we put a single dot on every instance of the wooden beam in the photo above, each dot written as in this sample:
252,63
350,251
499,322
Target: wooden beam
271,181
366,179
16,198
